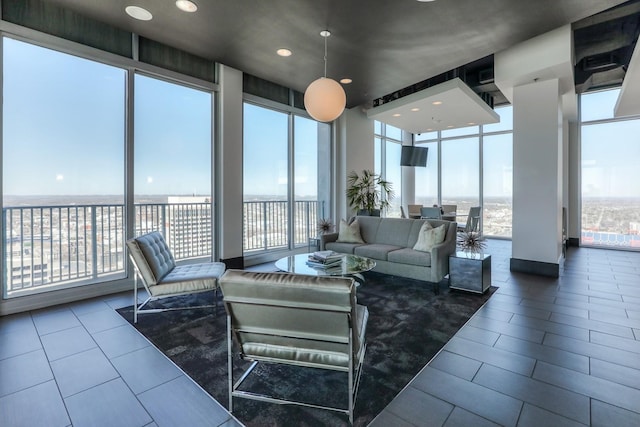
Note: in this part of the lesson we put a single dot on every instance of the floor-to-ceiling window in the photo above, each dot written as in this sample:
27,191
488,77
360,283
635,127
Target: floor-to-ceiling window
66,132
281,170
172,180
387,150
497,175
426,178
305,180
460,173
266,178
63,168
610,150
454,175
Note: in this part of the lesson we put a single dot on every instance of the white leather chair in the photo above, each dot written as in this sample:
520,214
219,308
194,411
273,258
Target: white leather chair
156,268
293,319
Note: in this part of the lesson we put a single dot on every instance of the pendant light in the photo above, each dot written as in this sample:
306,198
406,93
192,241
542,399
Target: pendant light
324,98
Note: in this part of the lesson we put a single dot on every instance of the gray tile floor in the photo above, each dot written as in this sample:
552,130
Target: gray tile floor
82,364
541,352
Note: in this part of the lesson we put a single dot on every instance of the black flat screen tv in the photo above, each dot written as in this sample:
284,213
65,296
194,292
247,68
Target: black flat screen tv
413,156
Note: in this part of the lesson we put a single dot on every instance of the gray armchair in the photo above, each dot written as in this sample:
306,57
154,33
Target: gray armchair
156,268
292,319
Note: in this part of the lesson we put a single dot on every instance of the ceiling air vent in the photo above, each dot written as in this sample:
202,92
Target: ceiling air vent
600,61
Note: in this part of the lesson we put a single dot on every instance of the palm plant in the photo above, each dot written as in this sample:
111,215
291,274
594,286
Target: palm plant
365,191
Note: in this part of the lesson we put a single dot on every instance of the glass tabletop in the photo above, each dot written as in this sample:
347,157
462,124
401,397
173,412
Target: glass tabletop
350,265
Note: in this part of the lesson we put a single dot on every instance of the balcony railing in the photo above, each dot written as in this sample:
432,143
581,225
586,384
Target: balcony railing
49,246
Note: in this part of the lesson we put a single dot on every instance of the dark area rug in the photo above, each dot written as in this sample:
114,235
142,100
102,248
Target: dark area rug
408,325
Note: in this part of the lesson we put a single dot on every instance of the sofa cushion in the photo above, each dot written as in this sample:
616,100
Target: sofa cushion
349,233
393,231
429,237
343,248
369,227
189,278
410,256
375,251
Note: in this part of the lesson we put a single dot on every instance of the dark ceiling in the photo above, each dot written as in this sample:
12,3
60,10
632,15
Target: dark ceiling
383,45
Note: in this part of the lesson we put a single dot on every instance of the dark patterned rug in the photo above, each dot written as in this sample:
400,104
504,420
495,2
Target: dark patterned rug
408,325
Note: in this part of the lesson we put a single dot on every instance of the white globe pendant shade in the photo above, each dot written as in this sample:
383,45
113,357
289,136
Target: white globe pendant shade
325,99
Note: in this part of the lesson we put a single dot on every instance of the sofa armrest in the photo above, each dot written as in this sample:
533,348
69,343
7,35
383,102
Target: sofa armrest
440,254
327,238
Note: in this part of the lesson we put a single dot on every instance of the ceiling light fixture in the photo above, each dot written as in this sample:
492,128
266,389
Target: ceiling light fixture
397,115
186,6
284,52
346,81
415,109
324,98
437,102
139,13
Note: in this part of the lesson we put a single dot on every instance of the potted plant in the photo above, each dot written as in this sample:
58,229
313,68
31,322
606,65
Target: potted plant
324,226
471,242
365,193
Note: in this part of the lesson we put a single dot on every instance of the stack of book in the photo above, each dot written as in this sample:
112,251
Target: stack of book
324,259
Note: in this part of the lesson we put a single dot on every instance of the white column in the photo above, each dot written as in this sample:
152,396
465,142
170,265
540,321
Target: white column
229,171
537,178
354,140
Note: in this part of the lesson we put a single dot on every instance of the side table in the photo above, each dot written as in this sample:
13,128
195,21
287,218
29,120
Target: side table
470,271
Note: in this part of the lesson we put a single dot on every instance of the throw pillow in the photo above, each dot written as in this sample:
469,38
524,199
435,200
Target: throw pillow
349,233
428,237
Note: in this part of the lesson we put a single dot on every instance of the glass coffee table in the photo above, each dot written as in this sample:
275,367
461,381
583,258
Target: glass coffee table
351,266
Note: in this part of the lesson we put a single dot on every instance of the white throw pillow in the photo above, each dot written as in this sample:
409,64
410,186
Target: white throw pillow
349,233
428,237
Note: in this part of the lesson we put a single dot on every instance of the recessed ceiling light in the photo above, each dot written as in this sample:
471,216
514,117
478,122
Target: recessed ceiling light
345,81
437,102
471,123
415,109
284,52
425,1
450,126
429,129
138,13
186,5
397,115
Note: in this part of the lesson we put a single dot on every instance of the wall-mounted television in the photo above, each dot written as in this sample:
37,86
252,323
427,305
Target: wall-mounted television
413,156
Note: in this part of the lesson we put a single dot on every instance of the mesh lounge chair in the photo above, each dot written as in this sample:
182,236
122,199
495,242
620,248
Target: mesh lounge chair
413,211
431,212
155,266
473,220
292,319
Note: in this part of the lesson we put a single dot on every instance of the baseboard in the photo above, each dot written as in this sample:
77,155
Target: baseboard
535,267
235,263
574,241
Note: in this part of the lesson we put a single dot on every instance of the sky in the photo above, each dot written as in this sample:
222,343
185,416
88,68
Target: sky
64,133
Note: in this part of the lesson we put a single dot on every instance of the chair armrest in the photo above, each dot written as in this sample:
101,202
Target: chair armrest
327,238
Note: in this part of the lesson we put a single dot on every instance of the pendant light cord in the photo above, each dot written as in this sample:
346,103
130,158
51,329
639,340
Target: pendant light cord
325,56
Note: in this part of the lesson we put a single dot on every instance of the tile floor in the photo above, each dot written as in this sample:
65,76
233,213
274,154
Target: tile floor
541,352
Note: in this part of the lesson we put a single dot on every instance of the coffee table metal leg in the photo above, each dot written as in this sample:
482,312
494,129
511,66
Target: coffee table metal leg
359,279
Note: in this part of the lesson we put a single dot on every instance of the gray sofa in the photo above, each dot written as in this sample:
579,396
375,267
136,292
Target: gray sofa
390,241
